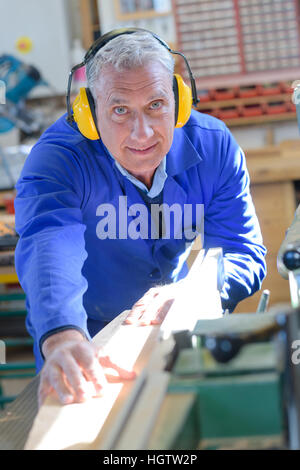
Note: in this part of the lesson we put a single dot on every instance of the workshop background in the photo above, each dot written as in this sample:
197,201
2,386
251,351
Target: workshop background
245,58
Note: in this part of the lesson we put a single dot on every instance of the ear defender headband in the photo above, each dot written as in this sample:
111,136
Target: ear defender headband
84,107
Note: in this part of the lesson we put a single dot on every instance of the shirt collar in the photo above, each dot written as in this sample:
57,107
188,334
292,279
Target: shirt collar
181,156
158,183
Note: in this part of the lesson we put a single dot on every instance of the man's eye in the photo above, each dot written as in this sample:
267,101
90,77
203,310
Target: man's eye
155,105
120,110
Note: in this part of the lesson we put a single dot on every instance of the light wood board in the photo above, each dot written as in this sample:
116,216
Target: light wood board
100,423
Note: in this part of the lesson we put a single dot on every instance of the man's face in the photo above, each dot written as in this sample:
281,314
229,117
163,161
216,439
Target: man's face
135,116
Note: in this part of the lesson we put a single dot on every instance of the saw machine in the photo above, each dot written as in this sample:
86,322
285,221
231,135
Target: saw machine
204,381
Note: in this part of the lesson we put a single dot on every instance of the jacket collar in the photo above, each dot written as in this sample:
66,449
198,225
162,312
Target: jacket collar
182,154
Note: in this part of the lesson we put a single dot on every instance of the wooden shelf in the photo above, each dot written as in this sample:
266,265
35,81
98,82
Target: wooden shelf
273,167
259,99
264,118
226,81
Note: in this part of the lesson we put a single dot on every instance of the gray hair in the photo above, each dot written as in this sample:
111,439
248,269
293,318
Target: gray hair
125,52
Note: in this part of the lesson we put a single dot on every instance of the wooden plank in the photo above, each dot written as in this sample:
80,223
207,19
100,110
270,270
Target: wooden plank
129,395
144,414
184,313
264,118
83,421
199,298
289,145
77,426
267,151
59,427
275,206
96,423
172,415
262,170
187,300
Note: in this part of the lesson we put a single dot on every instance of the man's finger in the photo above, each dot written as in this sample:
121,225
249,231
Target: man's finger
57,382
92,370
74,378
105,361
44,390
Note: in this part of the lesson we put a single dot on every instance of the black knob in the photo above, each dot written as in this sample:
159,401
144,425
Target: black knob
223,349
291,259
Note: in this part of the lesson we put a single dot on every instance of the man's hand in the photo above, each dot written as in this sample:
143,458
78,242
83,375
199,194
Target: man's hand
152,308
73,368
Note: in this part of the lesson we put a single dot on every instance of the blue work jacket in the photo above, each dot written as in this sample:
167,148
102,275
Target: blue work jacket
73,278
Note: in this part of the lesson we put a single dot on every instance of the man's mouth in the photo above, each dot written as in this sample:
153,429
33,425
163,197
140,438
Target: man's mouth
143,150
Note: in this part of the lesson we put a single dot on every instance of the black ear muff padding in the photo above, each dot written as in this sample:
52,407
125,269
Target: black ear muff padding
92,106
175,90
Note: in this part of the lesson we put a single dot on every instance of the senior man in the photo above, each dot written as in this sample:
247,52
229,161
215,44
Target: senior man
89,245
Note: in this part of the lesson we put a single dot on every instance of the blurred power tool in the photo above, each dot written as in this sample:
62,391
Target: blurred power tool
19,79
288,259
253,352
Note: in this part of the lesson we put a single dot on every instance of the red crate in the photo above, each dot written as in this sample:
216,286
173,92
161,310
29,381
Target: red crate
291,107
252,110
9,204
287,88
277,108
221,94
229,113
248,91
270,89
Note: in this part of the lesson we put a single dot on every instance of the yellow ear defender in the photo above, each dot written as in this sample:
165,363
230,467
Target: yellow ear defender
183,101
84,108
84,114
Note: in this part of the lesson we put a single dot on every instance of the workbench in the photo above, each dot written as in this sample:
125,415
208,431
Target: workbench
184,396
207,405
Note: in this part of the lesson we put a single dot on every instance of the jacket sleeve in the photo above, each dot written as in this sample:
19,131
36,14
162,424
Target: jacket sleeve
51,250
231,223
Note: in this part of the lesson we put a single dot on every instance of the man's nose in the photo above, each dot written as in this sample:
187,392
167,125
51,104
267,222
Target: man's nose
141,128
